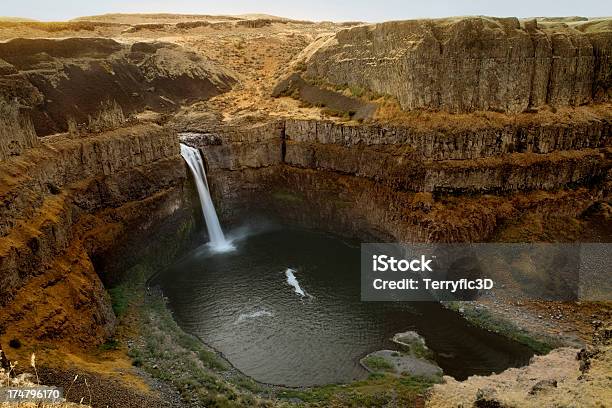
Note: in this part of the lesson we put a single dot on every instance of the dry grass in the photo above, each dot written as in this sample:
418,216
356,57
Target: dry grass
390,112
54,27
147,26
11,379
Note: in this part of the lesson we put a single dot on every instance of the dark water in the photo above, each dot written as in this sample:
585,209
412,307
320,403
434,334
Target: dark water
241,304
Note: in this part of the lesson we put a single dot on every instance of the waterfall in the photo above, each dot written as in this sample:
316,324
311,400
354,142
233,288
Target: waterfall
217,243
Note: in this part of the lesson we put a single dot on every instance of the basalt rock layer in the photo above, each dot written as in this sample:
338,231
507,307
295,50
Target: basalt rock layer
466,64
68,202
508,158
402,183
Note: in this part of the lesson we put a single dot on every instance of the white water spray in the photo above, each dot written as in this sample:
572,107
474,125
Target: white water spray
254,315
292,280
217,243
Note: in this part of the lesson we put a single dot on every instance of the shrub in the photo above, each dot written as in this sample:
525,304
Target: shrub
111,344
120,299
15,343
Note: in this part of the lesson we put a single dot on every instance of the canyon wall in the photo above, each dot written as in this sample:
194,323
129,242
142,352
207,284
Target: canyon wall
506,158
466,64
78,207
67,205
513,157
407,183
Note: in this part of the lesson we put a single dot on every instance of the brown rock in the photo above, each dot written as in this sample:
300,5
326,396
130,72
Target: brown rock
466,64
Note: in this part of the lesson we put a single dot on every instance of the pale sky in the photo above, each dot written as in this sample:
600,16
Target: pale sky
316,10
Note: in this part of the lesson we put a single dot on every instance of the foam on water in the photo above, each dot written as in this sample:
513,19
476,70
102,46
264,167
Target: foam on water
292,281
220,247
253,315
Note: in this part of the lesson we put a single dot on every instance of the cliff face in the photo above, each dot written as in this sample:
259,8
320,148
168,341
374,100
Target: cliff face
67,203
16,134
465,64
403,183
510,158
